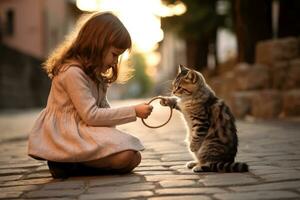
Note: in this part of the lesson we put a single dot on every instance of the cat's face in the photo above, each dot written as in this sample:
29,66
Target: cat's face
187,82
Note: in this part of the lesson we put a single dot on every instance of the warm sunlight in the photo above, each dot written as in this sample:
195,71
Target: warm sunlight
142,18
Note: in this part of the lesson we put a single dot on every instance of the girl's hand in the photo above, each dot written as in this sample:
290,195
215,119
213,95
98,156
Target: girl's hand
143,110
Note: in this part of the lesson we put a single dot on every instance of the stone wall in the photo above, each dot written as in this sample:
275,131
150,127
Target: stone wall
270,88
22,81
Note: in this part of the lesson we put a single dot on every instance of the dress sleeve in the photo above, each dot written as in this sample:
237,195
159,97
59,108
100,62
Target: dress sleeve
78,88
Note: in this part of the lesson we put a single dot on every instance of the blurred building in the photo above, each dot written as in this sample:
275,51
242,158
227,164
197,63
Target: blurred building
29,30
34,27
172,50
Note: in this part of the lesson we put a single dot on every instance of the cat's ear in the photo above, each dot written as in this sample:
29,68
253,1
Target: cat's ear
181,68
192,76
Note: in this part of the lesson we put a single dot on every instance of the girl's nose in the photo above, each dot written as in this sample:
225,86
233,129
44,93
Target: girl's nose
115,61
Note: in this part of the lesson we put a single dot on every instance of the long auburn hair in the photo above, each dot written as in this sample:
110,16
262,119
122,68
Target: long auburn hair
89,46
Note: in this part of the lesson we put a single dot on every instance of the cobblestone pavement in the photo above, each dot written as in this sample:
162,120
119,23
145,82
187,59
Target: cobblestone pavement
271,148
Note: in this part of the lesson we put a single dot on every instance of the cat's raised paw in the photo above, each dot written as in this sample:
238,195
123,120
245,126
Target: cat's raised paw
168,101
191,164
164,101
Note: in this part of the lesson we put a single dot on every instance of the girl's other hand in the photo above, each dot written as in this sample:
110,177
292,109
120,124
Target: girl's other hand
143,110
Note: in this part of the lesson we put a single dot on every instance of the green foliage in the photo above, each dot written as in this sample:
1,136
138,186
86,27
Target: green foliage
141,84
201,18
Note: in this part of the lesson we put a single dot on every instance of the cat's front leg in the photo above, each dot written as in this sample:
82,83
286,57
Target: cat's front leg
169,101
201,168
194,146
197,166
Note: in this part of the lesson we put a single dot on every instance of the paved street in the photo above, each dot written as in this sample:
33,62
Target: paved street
271,148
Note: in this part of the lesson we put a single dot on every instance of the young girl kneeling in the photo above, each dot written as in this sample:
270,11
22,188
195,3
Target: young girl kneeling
76,131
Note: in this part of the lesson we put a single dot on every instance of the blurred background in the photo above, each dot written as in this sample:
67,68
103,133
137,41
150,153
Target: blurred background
248,50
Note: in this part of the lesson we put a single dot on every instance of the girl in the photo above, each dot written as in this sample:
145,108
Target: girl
76,131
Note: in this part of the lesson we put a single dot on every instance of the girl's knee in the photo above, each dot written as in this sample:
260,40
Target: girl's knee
138,159
135,161
125,159
120,163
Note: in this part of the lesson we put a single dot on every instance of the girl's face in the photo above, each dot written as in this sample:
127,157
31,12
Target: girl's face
111,58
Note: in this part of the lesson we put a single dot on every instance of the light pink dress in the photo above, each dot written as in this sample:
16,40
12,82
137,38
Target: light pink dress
77,124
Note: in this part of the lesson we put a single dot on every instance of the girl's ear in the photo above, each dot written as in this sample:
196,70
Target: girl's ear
192,76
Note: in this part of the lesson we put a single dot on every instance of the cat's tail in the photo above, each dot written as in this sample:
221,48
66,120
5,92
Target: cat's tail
229,167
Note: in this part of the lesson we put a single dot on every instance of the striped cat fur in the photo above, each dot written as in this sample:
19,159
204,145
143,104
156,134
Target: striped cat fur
212,134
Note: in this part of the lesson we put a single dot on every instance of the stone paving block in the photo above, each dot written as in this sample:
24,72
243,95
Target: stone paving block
265,172
173,191
45,174
246,158
154,172
268,186
282,157
115,180
181,197
265,167
53,193
42,168
177,157
171,177
10,178
268,153
151,168
116,195
182,170
289,163
284,163
176,167
66,184
12,171
257,195
221,179
259,162
10,194
53,198
172,163
122,188
150,162
19,188
166,146
281,177
20,165
178,183
149,156
28,182
183,149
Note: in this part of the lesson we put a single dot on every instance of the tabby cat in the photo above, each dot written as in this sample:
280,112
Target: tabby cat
211,133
